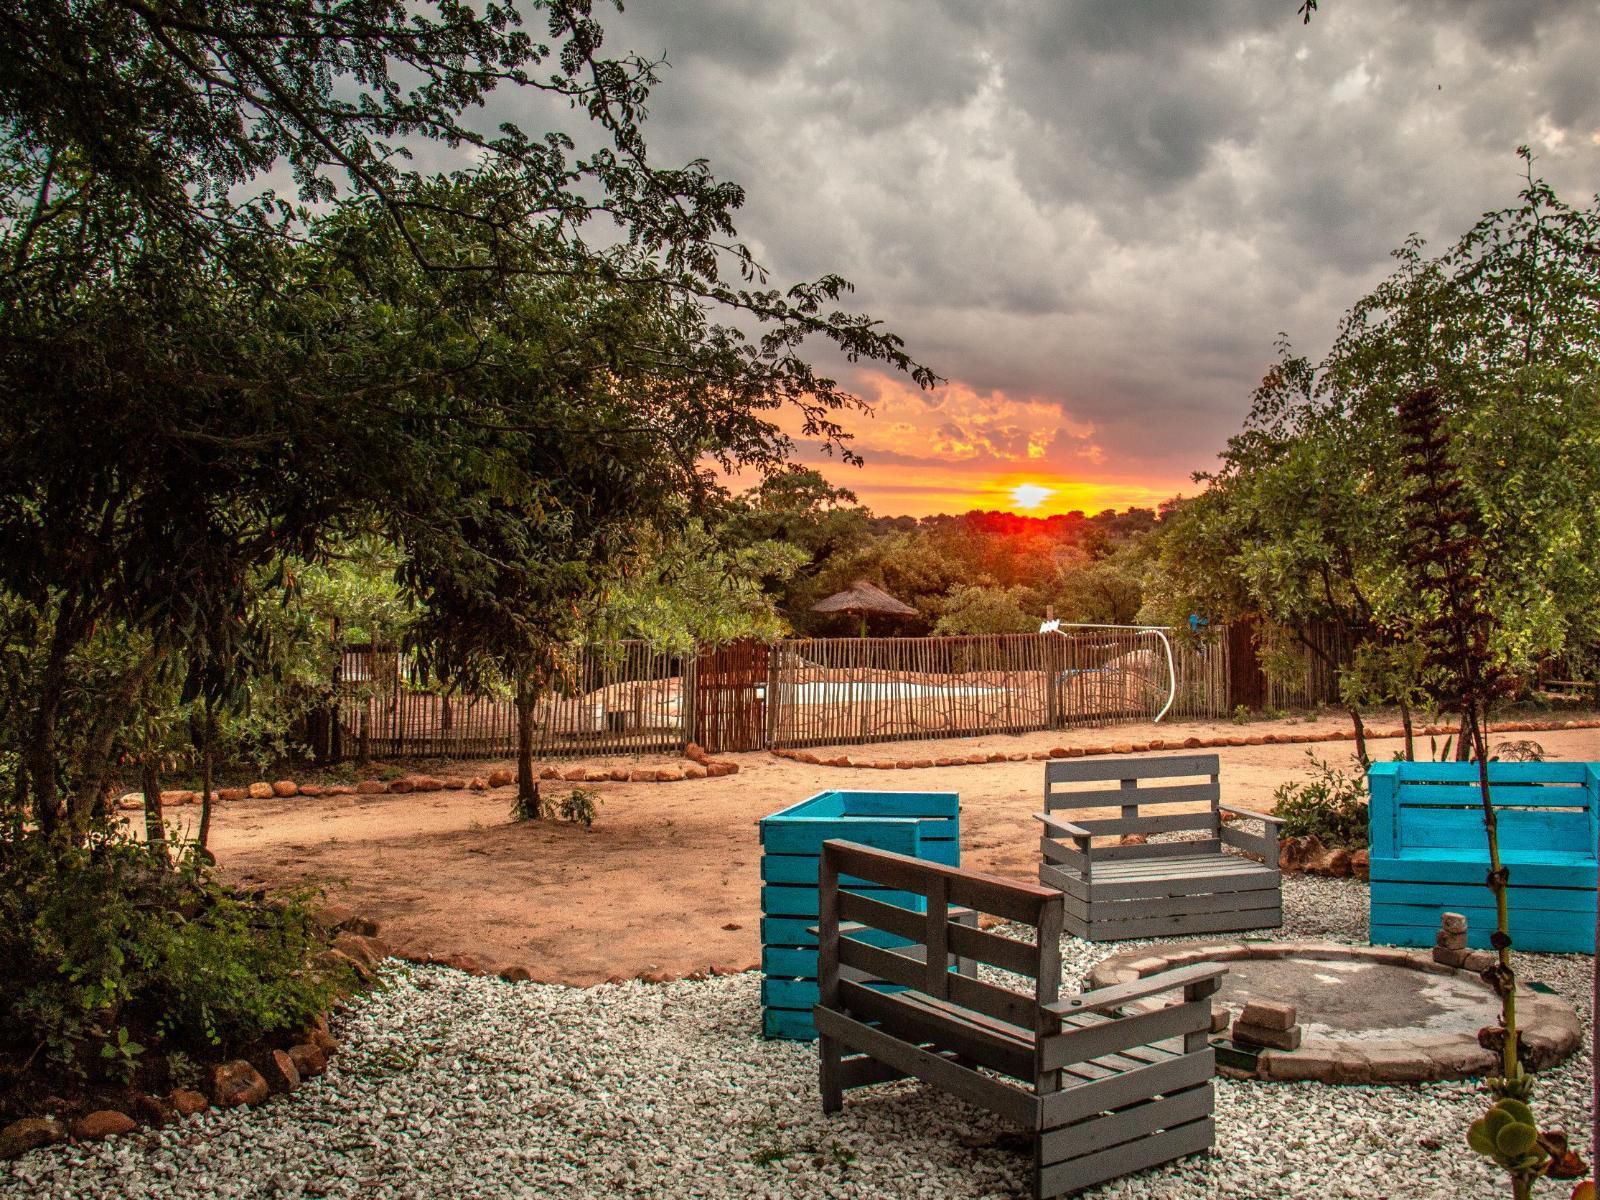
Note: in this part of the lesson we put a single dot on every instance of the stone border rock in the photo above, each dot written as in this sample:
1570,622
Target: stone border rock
1549,1027
236,1082
812,758
700,766
230,1084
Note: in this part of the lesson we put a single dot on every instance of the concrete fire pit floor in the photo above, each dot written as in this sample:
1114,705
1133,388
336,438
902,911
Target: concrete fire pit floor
1368,1015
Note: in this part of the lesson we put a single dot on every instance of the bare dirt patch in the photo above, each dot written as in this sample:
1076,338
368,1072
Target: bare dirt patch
667,881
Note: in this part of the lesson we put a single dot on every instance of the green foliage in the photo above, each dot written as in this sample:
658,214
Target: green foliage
1331,806
1304,522
580,805
115,963
970,608
1508,1135
696,587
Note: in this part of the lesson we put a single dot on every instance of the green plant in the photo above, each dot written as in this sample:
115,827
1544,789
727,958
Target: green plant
1331,806
122,1055
581,804
1508,1135
115,962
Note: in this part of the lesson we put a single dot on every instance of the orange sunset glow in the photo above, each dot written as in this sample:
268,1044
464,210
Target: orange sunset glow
954,449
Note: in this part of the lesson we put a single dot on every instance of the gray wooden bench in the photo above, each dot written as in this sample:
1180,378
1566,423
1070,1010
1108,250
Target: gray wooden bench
1102,1091
1159,888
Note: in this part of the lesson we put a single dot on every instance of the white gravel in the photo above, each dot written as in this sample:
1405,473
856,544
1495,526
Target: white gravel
460,1087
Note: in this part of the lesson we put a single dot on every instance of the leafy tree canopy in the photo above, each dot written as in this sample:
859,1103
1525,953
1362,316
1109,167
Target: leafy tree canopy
1304,520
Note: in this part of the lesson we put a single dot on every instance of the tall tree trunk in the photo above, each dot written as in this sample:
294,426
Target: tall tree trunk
1411,736
207,740
41,750
155,825
94,762
1464,739
1361,738
527,789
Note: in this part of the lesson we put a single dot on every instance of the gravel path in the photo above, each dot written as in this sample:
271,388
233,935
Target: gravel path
462,1087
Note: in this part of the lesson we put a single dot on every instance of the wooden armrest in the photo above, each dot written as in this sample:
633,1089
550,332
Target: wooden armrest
1251,814
1107,998
1063,828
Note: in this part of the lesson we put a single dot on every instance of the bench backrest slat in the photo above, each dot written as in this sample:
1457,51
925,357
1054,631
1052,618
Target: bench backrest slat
1540,808
1141,793
922,943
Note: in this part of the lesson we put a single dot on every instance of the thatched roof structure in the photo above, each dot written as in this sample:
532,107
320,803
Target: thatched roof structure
863,597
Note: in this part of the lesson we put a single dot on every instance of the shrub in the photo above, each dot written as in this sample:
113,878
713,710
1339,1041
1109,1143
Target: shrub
581,804
115,962
1331,806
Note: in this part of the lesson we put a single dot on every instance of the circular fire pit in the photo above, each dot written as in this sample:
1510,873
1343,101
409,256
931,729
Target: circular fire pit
1368,1014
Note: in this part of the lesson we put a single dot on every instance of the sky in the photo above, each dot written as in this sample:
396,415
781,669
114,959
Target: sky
1093,218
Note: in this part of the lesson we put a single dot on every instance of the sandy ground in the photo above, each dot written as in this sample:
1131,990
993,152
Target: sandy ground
668,878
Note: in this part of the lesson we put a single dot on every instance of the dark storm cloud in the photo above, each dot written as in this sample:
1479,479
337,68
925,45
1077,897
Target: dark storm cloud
1109,207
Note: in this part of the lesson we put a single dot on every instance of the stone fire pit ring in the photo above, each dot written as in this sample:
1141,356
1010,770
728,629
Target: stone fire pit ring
1370,1014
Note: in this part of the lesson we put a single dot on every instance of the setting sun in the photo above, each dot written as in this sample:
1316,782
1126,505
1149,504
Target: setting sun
1030,495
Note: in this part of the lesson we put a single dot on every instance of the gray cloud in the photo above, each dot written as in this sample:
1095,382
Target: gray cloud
1111,207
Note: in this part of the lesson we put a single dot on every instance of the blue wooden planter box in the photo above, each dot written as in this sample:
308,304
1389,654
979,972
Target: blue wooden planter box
1430,853
922,824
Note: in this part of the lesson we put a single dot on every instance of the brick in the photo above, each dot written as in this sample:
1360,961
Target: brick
1453,923
1256,1035
1268,1014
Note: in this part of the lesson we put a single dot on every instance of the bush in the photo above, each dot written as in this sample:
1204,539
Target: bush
115,962
581,804
1331,806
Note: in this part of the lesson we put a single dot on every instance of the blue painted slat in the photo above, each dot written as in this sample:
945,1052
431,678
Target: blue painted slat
787,962
1467,773
1550,941
802,869
783,901
1472,870
900,835
901,804
791,1024
1480,918
1456,897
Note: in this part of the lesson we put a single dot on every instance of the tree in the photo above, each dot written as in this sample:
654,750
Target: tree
974,608
690,588
1108,590
198,389
1302,522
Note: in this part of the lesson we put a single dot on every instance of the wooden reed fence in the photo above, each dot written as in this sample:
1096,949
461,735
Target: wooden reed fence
629,699
828,691
625,698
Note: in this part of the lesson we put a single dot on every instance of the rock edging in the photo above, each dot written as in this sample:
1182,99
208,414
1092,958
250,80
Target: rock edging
811,758
700,766
1548,1025
231,1084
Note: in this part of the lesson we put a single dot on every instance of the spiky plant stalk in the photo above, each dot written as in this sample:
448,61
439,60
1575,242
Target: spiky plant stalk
1455,629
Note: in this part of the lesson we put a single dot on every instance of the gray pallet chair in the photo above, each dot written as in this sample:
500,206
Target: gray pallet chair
1157,889
1103,1089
